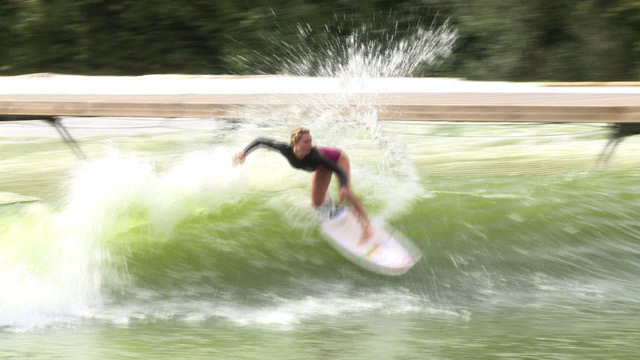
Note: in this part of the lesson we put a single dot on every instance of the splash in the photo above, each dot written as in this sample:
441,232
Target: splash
48,270
349,118
56,263
365,54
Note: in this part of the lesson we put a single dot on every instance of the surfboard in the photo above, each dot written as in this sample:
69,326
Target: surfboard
386,251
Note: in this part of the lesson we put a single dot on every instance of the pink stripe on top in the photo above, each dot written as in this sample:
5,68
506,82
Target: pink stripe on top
332,154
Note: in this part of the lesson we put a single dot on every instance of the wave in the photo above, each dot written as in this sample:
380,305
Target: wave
196,238
129,224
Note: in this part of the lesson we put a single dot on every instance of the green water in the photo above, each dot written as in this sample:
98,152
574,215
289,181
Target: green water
159,248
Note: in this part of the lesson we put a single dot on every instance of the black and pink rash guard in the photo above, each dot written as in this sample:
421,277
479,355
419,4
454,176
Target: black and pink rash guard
311,162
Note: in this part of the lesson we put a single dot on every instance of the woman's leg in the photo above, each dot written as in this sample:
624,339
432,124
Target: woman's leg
319,185
344,163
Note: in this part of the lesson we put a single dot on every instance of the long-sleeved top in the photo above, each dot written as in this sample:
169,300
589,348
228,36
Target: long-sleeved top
311,162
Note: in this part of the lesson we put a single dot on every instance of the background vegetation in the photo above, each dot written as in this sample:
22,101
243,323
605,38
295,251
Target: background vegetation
498,39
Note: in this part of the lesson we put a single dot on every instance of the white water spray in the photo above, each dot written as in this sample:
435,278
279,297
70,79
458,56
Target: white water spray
348,118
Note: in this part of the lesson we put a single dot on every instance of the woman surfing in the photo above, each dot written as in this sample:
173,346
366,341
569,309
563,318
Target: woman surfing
322,161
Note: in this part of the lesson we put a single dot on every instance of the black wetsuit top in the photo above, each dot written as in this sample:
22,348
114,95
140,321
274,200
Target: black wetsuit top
309,163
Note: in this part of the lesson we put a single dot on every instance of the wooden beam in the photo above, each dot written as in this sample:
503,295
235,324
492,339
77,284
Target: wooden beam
492,107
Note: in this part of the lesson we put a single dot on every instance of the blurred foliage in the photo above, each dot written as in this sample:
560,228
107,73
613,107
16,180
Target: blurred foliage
497,39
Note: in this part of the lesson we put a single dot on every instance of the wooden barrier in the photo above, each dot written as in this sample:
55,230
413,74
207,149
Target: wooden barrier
490,107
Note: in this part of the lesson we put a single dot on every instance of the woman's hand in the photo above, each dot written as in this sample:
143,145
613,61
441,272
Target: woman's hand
239,159
344,194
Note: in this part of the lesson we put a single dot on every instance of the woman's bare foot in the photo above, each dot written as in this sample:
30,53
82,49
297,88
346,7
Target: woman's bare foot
366,233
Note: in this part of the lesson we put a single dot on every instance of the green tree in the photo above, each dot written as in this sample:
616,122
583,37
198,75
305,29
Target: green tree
498,39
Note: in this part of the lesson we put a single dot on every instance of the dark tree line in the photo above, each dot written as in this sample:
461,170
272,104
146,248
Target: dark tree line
497,39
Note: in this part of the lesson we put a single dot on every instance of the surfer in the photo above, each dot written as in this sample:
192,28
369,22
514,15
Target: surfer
323,162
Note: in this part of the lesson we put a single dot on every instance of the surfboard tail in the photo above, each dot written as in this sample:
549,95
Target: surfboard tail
387,252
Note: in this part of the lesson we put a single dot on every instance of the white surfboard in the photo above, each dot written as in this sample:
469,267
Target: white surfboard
384,252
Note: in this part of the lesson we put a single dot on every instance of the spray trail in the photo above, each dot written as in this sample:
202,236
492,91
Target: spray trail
363,55
348,117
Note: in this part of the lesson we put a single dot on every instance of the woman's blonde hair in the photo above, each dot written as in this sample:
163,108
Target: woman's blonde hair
297,133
